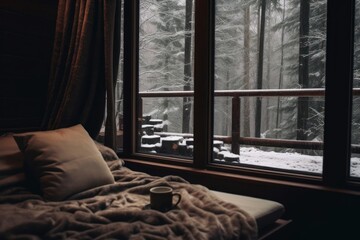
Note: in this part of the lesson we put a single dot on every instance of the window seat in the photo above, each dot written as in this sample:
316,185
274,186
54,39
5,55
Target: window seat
266,212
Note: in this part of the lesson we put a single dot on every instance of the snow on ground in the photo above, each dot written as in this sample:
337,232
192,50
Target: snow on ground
355,167
289,161
254,156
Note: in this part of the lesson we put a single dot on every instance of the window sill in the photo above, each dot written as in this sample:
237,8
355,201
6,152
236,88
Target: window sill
220,180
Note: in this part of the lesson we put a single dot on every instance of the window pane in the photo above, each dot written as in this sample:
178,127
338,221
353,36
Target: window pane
277,46
355,137
165,72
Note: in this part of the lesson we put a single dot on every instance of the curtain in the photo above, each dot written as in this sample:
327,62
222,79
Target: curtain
84,67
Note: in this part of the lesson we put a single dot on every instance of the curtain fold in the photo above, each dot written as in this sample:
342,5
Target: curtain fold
84,67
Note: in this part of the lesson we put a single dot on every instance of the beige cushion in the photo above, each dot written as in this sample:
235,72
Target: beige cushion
11,162
264,211
63,161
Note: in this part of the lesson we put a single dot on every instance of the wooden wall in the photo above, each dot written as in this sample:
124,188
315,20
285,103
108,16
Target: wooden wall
26,40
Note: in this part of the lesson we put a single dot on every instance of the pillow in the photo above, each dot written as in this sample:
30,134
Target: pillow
63,162
11,162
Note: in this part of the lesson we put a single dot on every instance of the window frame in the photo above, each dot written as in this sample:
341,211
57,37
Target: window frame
339,69
337,128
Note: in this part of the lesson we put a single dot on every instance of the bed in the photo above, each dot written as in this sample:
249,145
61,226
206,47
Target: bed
52,188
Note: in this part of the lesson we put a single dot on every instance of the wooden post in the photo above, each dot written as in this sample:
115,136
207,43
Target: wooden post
235,125
139,122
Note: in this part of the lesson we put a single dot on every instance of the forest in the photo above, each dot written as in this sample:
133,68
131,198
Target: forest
259,44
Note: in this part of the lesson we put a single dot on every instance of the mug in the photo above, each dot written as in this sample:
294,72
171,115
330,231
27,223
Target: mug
161,198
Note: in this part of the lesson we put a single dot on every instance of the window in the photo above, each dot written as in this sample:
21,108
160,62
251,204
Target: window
355,137
165,78
232,84
278,47
119,90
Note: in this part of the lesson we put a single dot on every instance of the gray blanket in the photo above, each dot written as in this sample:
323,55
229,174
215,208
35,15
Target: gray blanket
119,211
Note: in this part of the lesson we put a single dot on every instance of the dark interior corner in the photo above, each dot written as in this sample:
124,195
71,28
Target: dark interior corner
26,40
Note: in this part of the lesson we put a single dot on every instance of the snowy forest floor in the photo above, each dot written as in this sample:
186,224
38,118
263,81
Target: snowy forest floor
290,161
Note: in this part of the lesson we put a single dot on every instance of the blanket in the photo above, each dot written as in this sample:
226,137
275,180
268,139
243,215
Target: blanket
119,211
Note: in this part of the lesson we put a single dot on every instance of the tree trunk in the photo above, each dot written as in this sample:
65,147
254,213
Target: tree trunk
267,120
246,129
281,72
187,68
225,130
166,100
260,68
303,105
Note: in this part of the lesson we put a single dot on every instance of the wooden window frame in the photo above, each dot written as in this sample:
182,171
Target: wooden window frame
339,80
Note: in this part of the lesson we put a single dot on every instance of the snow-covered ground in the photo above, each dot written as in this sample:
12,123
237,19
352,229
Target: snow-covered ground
251,156
290,161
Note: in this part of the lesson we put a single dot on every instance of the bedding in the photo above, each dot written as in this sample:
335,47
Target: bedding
119,210
11,162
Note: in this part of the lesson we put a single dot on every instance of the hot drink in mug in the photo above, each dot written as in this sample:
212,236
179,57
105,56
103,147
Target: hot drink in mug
161,198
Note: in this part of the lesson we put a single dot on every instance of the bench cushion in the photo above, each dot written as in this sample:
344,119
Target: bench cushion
264,211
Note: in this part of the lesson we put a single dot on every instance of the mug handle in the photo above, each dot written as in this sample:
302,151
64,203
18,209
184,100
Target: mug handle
179,198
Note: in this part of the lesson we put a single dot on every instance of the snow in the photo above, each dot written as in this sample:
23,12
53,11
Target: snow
355,167
172,138
151,136
290,161
151,145
155,120
254,156
218,142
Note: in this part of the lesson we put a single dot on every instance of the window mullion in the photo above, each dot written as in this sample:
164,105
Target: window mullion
339,78
203,84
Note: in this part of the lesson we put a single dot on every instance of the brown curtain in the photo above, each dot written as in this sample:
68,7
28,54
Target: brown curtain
84,66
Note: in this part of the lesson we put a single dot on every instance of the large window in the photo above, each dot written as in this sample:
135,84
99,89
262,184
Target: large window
355,136
165,78
244,86
273,46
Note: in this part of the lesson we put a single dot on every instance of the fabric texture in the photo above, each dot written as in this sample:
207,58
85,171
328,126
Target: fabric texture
107,153
120,211
84,66
63,162
11,162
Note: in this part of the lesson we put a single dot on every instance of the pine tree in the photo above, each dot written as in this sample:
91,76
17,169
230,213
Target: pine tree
187,66
303,69
228,52
162,40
